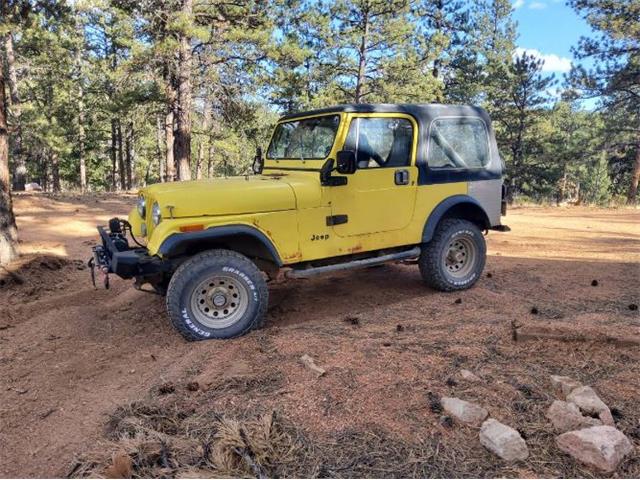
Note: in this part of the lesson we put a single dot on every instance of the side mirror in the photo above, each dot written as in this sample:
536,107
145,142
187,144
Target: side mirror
346,162
258,162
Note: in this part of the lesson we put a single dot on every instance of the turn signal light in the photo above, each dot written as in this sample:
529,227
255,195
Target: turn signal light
191,228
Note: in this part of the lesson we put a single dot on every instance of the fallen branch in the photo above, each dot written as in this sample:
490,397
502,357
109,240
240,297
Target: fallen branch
247,455
518,335
311,365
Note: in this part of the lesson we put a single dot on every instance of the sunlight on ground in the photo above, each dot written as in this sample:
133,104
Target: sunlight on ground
66,226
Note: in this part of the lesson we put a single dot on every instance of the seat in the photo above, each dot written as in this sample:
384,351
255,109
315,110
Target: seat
401,148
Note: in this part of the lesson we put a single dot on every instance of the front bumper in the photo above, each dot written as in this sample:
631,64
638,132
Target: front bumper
117,257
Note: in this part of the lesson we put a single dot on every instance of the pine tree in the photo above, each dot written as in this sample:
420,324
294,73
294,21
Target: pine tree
614,79
8,229
20,167
444,34
526,89
366,34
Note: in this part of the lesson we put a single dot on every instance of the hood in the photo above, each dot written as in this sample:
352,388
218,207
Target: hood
224,196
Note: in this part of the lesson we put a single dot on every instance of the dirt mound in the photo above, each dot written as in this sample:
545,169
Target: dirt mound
32,274
36,271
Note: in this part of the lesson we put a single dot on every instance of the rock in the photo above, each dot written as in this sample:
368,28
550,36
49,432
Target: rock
564,385
606,418
602,447
589,402
464,411
566,416
311,365
469,376
503,440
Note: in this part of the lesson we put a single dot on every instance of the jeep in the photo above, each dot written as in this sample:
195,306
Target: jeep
339,188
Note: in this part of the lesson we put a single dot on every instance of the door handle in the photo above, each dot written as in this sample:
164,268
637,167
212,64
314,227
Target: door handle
401,177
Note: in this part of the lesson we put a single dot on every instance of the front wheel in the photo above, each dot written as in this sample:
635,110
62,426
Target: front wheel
217,294
455,256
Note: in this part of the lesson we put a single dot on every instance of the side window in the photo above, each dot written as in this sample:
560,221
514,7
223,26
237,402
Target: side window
380,142
458,143
310,138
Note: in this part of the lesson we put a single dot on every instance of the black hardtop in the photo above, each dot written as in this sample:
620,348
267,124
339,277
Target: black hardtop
422,112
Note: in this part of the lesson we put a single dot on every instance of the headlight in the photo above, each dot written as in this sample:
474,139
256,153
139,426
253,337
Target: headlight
156,215
142,206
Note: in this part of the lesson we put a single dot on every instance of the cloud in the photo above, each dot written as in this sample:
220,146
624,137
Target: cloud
517,4
537,5
552,62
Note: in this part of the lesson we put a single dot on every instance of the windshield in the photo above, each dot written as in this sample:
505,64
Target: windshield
307,139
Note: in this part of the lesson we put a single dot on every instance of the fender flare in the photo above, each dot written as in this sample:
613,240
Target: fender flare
178,243
443,207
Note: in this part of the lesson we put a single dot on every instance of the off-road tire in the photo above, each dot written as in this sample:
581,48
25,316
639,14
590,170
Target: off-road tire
434,257
182,301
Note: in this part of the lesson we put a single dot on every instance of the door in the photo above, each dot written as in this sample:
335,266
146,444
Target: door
380,195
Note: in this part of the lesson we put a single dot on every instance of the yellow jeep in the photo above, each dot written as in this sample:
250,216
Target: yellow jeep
344,187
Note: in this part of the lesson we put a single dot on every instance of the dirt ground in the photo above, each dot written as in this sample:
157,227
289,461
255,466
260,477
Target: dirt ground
70,355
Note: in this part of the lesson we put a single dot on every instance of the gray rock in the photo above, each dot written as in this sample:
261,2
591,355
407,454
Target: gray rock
606,418
464,411
590,403
311,365
469,376
566,416
564,385
602,447
503,440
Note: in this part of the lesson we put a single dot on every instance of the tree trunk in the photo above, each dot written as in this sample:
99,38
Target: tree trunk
439,25
169,141
55,171
182,144
206,115
121,169
129,154
81,132
43,168
635,177
362,61
199,161
161,158
210,171
19,164
81,140
8,229
114,156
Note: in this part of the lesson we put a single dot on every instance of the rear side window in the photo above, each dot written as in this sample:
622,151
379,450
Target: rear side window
458,143
380,142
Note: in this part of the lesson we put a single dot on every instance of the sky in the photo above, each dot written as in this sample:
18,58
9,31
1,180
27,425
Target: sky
548,29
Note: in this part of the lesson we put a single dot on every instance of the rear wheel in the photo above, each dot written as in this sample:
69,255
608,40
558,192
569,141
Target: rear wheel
217,294
455,256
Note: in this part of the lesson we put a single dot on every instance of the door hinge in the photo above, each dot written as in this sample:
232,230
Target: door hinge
337,220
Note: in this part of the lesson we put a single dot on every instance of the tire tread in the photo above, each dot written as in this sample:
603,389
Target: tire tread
182,275
429,262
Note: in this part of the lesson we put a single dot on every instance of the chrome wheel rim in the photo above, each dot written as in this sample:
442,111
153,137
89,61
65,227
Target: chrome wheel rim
460,256
219,301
